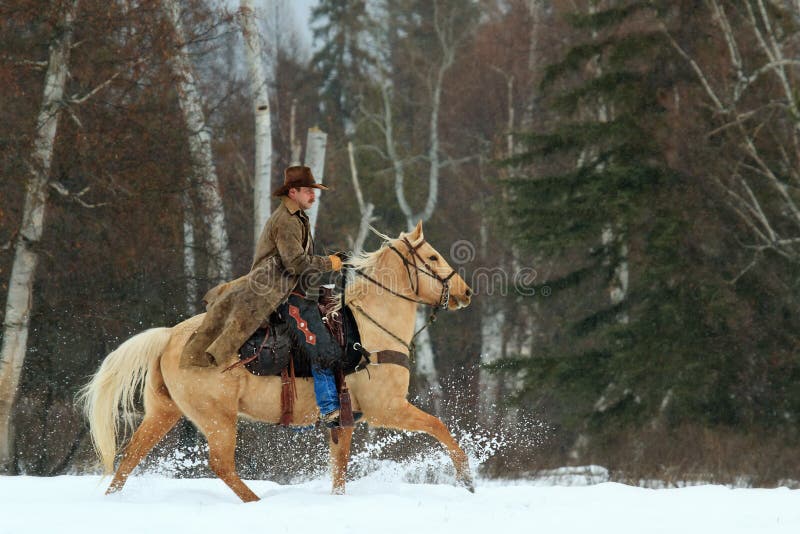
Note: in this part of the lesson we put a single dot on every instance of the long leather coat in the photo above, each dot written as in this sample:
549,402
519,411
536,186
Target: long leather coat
234,310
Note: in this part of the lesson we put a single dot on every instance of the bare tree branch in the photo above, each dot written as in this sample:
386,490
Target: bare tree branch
75,99
39,65
62,190
761,188
698,71
733,49
752,264
354,176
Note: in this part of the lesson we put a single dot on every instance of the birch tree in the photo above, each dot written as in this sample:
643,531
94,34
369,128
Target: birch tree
316,143
493,315
612,237
294,142
497,331
447,35
366,209
493,320
204,172
262,186
20,288
189,268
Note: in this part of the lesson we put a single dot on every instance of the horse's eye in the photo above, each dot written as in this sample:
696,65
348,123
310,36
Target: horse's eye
433,258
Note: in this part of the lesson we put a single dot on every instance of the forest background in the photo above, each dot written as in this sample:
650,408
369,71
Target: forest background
618,180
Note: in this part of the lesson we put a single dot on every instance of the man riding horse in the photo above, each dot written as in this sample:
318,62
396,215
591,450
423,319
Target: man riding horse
283,267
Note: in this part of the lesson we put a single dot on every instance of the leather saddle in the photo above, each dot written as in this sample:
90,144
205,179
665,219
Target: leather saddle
302,332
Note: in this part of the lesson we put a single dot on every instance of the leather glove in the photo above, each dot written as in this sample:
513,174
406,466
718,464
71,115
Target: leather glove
336,262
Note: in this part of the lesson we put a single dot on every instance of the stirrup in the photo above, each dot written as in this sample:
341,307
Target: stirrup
331,420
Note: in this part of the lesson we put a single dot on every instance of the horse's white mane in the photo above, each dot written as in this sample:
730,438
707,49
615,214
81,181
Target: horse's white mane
366,262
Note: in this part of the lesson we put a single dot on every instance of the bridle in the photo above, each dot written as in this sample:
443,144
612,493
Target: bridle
444,298
413,271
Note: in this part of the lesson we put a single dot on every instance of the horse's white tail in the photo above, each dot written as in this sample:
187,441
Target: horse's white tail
115,385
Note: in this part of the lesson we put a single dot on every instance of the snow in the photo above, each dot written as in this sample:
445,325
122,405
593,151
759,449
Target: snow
399,483
380,503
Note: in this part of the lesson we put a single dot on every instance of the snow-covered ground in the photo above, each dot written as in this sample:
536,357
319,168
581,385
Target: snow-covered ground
377,504
394,489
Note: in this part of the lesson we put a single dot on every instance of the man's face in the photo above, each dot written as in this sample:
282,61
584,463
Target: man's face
304,196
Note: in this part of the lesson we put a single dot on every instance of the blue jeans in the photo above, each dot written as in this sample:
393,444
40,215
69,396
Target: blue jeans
325,390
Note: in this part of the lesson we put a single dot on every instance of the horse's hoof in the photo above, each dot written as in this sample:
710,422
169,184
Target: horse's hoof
114,488
467,484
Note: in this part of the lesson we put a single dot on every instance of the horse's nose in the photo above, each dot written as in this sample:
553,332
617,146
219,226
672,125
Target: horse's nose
468,292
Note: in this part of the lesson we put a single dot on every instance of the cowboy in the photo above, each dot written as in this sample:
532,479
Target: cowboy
283,264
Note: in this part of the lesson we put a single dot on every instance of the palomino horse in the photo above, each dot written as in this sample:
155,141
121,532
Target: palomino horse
403,273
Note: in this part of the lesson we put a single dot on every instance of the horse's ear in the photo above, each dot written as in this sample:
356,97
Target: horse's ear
417,233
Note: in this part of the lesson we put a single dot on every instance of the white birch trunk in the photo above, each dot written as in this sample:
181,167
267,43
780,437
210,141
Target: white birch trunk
297,148
492,322
430,389
492,311
618,289
20,288
205,173
536,14
189,269
262,186
315,160
366,209
426,360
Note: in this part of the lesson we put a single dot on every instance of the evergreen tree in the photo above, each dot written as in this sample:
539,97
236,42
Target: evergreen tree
645,326
341,62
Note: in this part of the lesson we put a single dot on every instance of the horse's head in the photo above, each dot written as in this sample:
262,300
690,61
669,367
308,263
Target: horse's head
430,276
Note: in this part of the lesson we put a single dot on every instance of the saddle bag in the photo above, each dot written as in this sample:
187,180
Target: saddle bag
272,345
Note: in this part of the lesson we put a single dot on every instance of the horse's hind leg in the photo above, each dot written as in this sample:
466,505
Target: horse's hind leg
411,418
154,427
220,431
340,456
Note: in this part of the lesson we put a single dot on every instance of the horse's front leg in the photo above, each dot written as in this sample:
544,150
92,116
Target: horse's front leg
409,417
340,456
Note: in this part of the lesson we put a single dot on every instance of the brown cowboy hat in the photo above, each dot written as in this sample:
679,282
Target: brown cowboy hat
297,176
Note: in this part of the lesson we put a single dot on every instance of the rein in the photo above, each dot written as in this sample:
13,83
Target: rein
444,298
